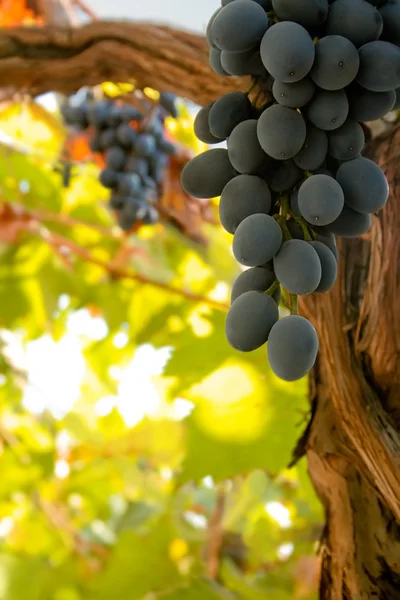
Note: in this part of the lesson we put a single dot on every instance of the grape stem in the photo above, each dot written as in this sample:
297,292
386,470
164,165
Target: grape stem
272,16
294,304
273,287
306,233
284,205
281,220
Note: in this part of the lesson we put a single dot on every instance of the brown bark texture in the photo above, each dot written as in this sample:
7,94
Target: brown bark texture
63,59
353,445
353,440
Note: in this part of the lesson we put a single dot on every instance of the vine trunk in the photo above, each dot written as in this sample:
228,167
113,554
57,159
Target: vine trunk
353,443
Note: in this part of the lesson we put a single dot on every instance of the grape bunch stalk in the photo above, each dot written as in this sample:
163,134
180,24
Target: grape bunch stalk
292,176
135,150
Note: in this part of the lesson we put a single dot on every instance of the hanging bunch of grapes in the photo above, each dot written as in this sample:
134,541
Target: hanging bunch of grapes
293,176
135,148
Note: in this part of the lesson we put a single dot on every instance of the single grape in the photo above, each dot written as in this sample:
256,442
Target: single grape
228,111
321,199
336,63
293,95
250,320
129,184
76,115
346,142
309,13
108,138
379,66
242,196
202,127
130,113
390,14
206,175
242,63
239,26
284,176
298,267
292,347
109,178
281,132
350,223
329,266
355,20
168,102
287,51
257,239
126,136
255,278
364,184
365,105
145,145
129,214
314,150
328,110
115,158
245,152
214,59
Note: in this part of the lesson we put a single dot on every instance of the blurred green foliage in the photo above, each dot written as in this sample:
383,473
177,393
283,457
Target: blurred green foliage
141,457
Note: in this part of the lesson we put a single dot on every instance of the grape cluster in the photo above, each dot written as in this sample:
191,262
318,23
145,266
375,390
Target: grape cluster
135,151
292,176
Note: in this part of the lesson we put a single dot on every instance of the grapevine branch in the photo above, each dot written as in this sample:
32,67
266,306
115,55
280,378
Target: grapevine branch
60,59
60,242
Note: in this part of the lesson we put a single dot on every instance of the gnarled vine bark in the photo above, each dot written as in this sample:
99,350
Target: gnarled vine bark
37,60
353,441
353,447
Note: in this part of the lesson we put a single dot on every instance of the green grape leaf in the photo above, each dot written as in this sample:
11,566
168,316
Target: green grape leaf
242,422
